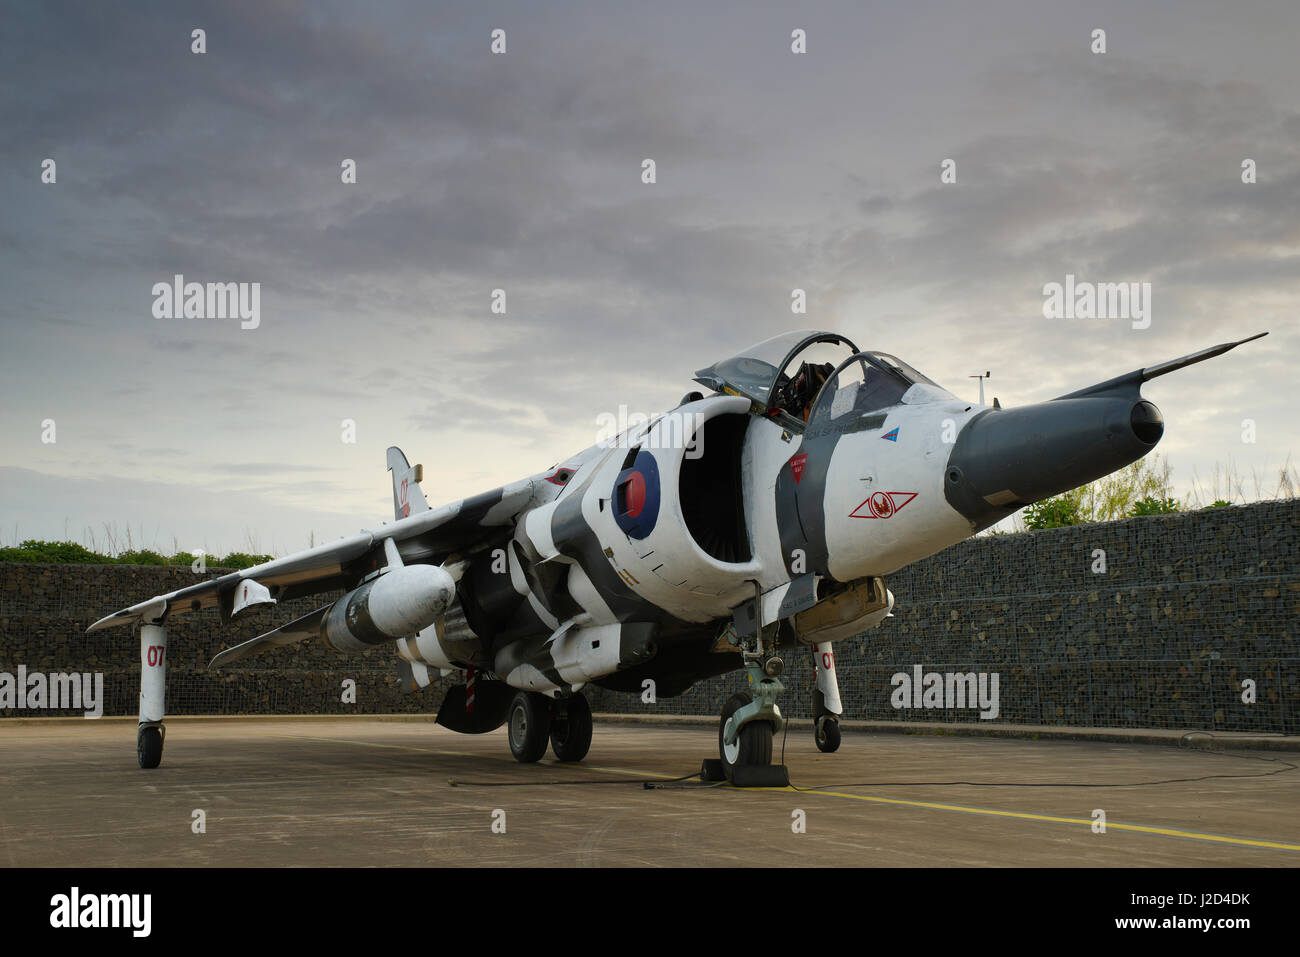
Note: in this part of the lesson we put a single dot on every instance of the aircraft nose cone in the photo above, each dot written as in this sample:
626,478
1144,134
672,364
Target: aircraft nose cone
1008,458
1147,422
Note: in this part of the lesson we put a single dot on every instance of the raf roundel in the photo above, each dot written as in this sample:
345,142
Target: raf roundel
636,496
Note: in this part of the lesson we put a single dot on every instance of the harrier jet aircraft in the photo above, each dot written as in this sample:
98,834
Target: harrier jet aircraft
736,528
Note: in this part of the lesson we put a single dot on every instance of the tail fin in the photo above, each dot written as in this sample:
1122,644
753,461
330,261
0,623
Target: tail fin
407,496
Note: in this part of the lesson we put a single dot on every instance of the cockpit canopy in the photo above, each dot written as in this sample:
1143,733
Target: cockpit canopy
764,370
805,374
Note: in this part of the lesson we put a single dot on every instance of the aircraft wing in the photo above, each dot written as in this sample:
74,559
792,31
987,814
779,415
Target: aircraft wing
430,535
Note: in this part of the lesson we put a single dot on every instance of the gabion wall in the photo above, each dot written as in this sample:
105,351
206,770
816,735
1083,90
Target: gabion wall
1190,611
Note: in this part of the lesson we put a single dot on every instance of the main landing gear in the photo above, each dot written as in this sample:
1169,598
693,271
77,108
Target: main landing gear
536,720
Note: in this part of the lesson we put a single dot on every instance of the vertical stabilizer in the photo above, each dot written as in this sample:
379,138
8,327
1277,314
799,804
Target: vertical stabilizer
407,496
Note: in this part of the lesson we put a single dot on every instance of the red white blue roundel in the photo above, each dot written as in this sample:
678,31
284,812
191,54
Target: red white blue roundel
636,496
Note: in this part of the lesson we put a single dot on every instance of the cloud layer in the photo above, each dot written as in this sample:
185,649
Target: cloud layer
522,172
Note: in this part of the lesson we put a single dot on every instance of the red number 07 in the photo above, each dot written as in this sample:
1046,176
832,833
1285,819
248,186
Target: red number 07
154,656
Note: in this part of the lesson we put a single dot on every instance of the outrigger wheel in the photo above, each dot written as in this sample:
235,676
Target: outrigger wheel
149,745
827,733
571,728
529,726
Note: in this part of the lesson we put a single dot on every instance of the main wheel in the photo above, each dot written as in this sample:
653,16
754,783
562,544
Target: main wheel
753,745
827,733
148,746
571,731
529,726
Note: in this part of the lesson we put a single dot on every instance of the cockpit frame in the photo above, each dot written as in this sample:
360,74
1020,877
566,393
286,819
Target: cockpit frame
752,374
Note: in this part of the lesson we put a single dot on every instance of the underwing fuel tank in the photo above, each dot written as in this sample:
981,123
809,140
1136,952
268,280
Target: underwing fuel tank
398,603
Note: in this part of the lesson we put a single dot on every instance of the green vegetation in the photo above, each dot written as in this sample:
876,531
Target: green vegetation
1133,490
1145,488
53,553
1154,506
36,551
1052,513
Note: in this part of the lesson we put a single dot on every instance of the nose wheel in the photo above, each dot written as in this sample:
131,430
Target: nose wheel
826,732
745,729
752,745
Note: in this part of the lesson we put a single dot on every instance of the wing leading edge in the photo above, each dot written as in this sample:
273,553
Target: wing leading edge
430,535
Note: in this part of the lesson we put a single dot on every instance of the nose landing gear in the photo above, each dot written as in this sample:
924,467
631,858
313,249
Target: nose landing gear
748,722
745,733
750,719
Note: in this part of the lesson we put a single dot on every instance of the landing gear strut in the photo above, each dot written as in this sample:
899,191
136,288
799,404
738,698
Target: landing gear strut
153,687
750,719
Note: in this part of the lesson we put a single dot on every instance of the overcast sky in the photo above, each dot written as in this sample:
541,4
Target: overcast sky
522,171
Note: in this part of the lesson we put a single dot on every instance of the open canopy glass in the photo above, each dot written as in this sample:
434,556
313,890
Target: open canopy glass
807,373
766,371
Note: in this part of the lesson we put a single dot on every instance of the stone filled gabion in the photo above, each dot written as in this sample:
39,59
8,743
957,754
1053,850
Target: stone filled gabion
1190,609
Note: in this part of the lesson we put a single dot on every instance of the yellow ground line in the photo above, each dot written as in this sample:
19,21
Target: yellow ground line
928,805
1026,816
